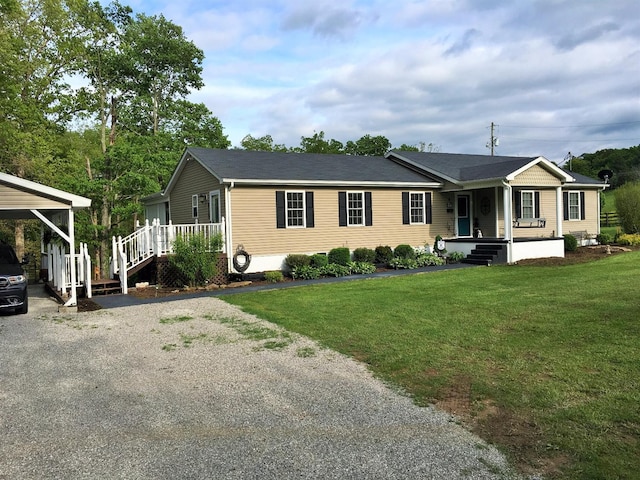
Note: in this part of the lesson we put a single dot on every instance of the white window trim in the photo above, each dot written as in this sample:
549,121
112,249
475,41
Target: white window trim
364,209
194,207
424,209
212,194
533,204
577,194
304,208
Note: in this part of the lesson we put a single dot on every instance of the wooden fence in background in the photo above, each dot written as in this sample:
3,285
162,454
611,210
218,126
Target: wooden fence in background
609,219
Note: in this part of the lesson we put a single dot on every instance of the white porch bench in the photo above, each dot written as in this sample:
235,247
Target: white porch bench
530,222
584,238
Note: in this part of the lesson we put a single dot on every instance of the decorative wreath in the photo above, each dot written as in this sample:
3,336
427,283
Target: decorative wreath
241,259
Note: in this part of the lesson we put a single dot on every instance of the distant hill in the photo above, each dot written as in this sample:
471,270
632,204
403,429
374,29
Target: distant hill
623,162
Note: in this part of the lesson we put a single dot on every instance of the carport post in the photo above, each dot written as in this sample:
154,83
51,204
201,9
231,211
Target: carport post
73,299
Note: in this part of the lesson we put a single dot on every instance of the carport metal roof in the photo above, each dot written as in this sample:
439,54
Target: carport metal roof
24,199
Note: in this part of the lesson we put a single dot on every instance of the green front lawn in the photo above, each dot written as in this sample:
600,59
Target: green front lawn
544,361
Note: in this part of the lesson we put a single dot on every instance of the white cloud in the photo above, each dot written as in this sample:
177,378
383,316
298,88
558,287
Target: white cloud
435,71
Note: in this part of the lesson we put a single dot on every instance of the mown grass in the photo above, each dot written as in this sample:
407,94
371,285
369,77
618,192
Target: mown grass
555,347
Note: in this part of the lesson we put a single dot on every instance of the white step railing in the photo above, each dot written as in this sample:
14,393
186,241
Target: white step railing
155,240
59,268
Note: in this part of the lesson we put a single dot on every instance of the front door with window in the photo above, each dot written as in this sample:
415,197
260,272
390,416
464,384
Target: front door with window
463,216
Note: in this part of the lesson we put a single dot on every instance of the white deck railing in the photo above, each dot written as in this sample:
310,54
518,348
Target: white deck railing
59,268
154,239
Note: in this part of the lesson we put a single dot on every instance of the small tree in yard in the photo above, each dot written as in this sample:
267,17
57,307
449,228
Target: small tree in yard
628,207
195,258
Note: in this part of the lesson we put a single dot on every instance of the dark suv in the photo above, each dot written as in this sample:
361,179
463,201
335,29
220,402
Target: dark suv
13,281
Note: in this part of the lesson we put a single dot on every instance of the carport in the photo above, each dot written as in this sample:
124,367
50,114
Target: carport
22,199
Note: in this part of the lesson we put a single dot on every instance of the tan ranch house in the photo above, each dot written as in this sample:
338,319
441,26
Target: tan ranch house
271,204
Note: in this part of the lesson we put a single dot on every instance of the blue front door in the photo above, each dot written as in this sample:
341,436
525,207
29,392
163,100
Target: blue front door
464,219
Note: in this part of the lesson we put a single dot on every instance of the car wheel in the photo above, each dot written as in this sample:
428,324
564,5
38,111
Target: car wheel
25,306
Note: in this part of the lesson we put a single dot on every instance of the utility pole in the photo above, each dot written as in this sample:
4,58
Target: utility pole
493,141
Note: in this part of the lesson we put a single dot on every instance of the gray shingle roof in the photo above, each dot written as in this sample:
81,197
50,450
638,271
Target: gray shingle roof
269,166
465,168
583,179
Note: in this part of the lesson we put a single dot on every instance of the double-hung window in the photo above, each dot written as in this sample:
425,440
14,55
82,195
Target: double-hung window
355,208
194,206
527,205
574,205
295,209
416,207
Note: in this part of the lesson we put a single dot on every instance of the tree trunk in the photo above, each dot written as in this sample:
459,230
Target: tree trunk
114,121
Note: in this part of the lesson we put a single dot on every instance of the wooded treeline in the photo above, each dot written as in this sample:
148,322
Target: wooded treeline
624,163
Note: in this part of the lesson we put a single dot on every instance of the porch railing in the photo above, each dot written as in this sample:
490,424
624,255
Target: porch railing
153,239
59,268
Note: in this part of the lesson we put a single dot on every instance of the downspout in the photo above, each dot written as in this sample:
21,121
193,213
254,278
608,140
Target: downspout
228,224
508,222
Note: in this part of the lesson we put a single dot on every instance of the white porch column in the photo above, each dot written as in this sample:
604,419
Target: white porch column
73,299
506,208
560,212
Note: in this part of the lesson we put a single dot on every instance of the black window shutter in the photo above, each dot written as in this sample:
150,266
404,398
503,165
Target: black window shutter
309,208
536,197
342,209
583,210
281,220
565,204
427,201
518,201
405,208
368,211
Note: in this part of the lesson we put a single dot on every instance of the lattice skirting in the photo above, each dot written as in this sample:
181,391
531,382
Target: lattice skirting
168,276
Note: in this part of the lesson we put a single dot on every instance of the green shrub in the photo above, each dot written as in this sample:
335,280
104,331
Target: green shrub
195,258
405,251
428,259
604,238
274,276
383,254
305,272
455,257
335,270
361,268
340,256
629,239
628,207
399,262
364,255
570,243
294,260
319,260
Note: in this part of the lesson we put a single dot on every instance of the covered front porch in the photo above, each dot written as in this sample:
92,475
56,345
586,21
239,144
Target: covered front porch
519,221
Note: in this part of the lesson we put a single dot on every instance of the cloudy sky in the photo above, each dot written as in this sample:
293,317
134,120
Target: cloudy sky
555,76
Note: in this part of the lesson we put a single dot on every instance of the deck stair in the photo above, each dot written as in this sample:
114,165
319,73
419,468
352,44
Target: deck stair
486,254
106,286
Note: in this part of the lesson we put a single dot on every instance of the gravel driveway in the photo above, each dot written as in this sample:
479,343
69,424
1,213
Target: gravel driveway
197,389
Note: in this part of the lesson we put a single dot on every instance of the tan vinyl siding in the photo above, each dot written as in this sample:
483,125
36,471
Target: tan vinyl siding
14,199
536,175
254,223
193,180
591,223
547,211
